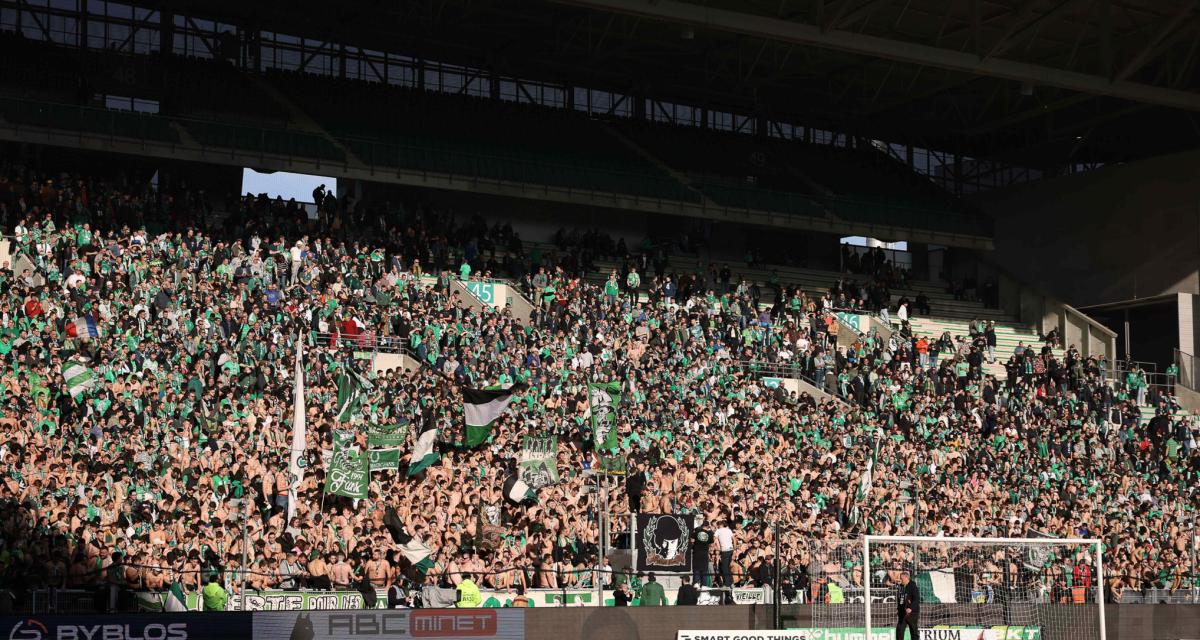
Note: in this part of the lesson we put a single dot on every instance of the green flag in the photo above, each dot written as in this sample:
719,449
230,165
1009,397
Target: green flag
348,473
384,459
387,436
418,553
349,397
350,389
616,465
423,453
602,403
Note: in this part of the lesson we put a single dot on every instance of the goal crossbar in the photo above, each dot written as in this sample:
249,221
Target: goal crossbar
998,541
867,541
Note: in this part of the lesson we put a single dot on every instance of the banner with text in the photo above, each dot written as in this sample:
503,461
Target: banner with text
387,436
270,600
395,624
539,461
348,471
154,601
384,459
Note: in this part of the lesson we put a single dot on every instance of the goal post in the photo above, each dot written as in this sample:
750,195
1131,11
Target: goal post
977,588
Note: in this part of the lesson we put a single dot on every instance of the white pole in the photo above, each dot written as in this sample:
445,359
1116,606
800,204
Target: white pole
633,554
866,584
1100,582
245,546
602,485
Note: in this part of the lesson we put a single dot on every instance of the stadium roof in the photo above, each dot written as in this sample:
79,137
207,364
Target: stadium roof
1031,82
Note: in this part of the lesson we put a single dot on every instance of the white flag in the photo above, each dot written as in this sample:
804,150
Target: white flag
299,437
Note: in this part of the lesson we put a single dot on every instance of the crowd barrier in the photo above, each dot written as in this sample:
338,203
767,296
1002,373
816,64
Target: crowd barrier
431,596
1124,622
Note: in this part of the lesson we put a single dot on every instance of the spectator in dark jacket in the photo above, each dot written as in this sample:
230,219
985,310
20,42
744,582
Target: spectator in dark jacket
688,593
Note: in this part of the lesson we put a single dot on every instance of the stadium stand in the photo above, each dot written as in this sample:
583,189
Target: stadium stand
166,342
136,465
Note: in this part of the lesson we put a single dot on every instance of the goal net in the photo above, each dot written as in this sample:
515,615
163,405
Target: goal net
970,588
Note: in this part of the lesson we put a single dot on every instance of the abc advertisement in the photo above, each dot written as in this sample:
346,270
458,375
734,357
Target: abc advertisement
392,624
142,626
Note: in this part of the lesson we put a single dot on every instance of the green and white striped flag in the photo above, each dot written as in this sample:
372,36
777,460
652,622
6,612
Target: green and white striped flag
518,492
423,453
481,408
176,600
418,553
78,377
864,481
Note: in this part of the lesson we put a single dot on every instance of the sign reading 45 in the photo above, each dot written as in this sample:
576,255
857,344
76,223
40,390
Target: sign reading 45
485,291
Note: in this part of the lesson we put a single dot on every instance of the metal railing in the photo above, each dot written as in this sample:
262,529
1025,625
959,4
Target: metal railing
364,341
1154,378
764,369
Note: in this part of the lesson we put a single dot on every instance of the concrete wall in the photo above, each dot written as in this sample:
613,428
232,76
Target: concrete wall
1189,322
388,361
1117,233
1188,399
521,308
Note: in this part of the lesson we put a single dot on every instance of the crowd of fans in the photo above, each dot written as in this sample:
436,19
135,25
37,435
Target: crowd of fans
173,465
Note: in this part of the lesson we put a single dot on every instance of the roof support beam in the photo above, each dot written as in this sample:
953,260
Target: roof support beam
797,33
1150,51
843,19
1025,25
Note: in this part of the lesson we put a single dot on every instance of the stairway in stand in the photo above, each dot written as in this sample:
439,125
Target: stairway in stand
1008,337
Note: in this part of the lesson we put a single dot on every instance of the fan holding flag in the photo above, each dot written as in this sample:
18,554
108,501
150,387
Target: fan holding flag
517,492
482,408
83,327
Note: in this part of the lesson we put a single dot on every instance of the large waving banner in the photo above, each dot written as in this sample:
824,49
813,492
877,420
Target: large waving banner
348,473
603,400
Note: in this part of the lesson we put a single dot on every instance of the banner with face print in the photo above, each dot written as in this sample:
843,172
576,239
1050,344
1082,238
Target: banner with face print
603,400
664,542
